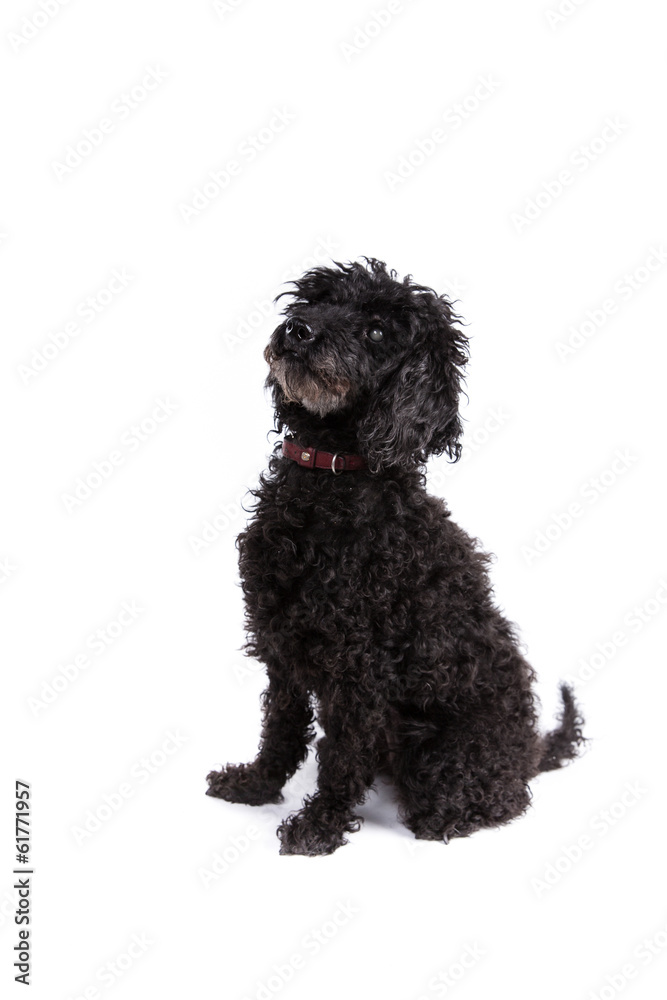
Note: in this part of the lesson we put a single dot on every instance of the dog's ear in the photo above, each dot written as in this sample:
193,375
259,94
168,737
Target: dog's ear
414,410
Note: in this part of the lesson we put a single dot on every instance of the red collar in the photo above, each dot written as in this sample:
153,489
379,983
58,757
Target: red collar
313,458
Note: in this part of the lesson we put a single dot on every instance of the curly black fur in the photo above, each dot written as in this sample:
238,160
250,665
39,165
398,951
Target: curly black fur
366,603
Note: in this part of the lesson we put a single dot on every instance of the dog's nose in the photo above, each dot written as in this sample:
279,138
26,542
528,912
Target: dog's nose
297,331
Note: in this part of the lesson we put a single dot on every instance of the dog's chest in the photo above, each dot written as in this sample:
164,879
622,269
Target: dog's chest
309,561
309,539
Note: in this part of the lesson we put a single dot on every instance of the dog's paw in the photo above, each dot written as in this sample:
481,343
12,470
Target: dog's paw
307,833
438,830
242,783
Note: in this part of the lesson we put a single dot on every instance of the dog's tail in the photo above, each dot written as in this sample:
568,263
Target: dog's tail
563,743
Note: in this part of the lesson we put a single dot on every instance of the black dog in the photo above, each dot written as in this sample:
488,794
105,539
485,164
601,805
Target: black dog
366,603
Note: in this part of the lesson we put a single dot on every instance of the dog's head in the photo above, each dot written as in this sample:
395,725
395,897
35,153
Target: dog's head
359,348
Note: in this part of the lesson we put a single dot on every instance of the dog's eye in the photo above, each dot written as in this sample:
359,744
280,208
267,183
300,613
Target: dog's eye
375,334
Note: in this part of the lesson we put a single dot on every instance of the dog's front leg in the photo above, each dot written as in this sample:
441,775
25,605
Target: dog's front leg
286,733
348,761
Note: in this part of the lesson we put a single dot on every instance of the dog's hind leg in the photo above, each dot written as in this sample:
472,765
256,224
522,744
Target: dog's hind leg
286,733
461,778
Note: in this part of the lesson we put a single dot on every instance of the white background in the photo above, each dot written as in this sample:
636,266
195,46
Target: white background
559,902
